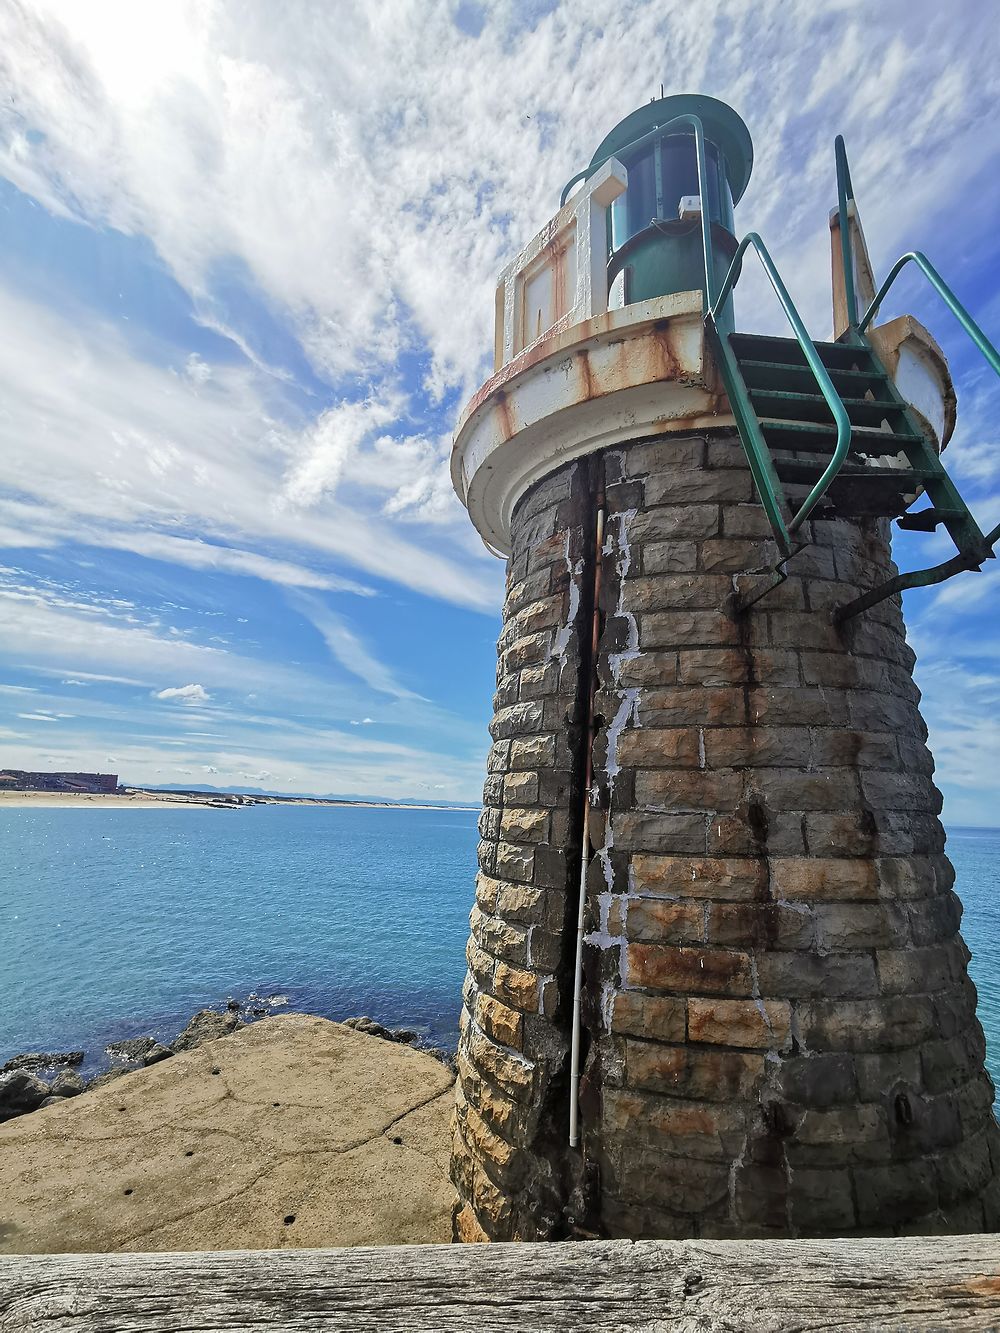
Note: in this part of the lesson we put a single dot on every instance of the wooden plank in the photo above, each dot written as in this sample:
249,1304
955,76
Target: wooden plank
618,1286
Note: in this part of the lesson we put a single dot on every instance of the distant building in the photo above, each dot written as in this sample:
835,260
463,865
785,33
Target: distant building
17,779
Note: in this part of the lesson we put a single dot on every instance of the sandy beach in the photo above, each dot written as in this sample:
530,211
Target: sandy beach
84,800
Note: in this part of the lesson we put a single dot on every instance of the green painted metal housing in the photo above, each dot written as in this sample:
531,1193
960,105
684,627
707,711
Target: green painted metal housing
648,243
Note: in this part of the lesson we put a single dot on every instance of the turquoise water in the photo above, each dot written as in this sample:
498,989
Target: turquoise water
121,922
117,923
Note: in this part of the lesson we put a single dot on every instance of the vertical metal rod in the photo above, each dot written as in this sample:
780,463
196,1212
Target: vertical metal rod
845,194
595,637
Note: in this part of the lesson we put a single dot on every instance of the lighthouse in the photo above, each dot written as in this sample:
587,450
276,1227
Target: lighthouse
716,985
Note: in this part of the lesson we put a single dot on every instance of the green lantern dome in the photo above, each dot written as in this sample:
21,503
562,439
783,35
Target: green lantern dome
655,241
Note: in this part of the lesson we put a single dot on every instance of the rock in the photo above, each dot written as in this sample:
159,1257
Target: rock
233,1005
109,1076
42,1060
133,1049
50,1101
257,1012
206,1025
404,1036
157,1054
67,1084
20,1092
63,1175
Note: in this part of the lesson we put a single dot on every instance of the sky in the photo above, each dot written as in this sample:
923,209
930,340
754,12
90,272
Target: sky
247,261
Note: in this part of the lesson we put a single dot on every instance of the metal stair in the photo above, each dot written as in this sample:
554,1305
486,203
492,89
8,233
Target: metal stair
889,463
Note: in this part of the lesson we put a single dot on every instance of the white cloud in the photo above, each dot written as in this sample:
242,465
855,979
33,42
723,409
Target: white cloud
349,649
191,695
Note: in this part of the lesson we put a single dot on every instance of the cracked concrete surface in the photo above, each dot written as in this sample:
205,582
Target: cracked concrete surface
283,1134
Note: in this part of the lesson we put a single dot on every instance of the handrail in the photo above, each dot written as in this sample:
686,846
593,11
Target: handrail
946,294
813,360
845,195
702,159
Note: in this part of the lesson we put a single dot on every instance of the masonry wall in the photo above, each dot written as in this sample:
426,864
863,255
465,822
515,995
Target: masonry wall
781,1031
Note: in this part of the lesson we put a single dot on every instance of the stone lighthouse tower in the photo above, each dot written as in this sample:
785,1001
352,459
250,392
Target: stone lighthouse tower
716,983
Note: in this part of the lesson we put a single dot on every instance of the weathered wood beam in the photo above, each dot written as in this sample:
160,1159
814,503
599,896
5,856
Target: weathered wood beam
905,1283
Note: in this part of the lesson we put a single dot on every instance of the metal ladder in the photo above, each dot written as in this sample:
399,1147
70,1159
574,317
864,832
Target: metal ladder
827,434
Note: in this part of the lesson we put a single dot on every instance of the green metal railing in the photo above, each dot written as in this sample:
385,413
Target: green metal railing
713,305
813,360
845,197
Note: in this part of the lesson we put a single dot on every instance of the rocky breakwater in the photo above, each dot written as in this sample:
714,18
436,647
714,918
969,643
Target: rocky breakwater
291,1131
23,1089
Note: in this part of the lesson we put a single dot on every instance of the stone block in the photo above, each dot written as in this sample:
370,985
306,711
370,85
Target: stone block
545,949
799,975
678,1183
823,789
682,789
686,486
689,706
487,893
533,752
550,867
818,1080
515,862
674,557
840,1135
733,555
745,520
689,971
509,1072
859,749
822,1202
489,1148
892,1195
750,747
682,452
679,629
503,1024
797,706
530,650
638,831
824,879
537,681
681,1071
492,1206
672,523
709,1131
501,938
760,925
884,1024
850,833
668,747
531,906
516,987
753,830
902,971
524,825
756,1024
660,921
900,791
714,666
660,1018
726,878
520,788
843,926
675,592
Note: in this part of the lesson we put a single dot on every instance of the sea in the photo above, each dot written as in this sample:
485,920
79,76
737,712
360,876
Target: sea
123,923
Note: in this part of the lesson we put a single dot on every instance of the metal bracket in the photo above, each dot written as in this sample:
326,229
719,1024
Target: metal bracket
917,578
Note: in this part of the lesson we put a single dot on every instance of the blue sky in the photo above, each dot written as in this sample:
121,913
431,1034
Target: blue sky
246,283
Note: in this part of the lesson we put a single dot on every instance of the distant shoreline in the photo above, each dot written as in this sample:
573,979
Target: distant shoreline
150,800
